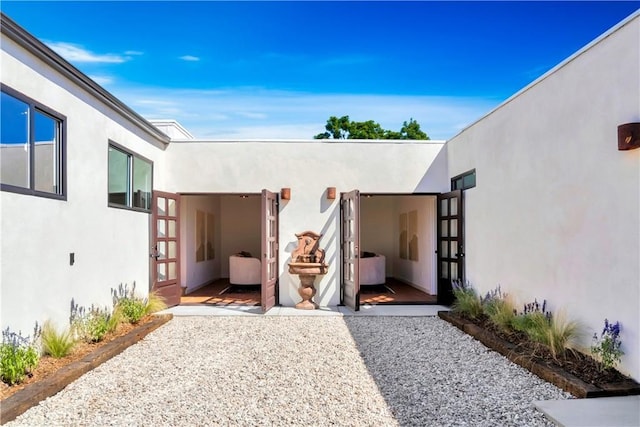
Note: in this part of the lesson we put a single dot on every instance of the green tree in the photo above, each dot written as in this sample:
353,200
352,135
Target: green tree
344,128
412,130
365,130
336,128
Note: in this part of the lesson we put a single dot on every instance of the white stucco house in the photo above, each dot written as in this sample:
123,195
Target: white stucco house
535,197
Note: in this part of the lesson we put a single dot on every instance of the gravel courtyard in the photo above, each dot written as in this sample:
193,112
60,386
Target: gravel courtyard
301,371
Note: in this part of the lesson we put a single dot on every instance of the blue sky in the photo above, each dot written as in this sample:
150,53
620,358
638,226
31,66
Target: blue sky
280,69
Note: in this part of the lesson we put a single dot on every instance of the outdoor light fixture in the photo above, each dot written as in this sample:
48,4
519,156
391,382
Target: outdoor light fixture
331,193
285,193
628,136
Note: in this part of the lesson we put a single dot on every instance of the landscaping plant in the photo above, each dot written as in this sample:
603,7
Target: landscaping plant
607,348
18,356
501,312
91,325
155,302
561,334
131,307
467,301
56,344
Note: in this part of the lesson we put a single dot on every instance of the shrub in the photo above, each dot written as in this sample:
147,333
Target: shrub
155,302
501,313
18,356
125,302
607,349
467,301
56,344
93,324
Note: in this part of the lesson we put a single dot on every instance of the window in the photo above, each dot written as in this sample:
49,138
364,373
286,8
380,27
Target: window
464,181
129,179
31,147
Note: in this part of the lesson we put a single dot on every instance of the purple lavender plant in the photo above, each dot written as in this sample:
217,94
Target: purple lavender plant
607,347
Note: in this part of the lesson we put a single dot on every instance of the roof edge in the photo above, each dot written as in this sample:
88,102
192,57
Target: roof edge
34,46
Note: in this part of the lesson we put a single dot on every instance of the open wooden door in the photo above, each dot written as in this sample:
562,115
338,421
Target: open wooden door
165,246
350,249
450,244
269,264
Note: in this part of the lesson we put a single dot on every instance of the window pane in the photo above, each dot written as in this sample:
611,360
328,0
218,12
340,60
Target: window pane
172,228
469,180
118,177
172,271
14,141
162,271
454,206
172,207
47,148
141,183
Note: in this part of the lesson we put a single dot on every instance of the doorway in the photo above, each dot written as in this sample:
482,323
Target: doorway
388,246
230,249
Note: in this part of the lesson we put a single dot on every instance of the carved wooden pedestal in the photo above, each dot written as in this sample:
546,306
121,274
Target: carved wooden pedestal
307,291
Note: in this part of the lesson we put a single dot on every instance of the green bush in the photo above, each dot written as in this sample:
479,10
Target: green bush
56,344
501,312
132,309
130,306
93,324
535,325
18,357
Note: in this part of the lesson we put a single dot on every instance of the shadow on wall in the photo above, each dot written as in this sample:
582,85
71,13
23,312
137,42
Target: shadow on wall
436,177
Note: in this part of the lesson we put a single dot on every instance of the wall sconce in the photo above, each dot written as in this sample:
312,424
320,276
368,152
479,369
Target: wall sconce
285,193
628,136
331,193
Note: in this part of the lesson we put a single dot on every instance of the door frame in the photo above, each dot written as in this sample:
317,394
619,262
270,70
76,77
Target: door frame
350,250
169,289
269,243
447,243
434,275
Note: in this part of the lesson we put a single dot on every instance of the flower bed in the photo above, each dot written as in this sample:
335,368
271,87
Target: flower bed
573,372
32,393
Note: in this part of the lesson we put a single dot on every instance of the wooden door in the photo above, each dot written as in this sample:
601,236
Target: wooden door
350,249
450,244
269,264
165,246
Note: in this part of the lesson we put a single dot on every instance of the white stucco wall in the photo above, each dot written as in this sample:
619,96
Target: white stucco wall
308,168
555,213
38,234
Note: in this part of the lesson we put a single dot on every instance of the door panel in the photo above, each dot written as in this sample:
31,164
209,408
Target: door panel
350,244
269,289
450,244
165,250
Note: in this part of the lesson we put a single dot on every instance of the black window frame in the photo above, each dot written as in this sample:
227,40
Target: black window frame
131,155
461,178
61,154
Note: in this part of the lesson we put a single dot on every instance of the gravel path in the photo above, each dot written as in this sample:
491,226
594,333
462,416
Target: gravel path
302,371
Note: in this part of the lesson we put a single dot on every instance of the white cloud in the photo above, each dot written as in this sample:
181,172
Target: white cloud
78,54
102,80
133,53
190,58
232,113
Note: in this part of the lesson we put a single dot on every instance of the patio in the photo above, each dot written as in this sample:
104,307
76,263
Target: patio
301,370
